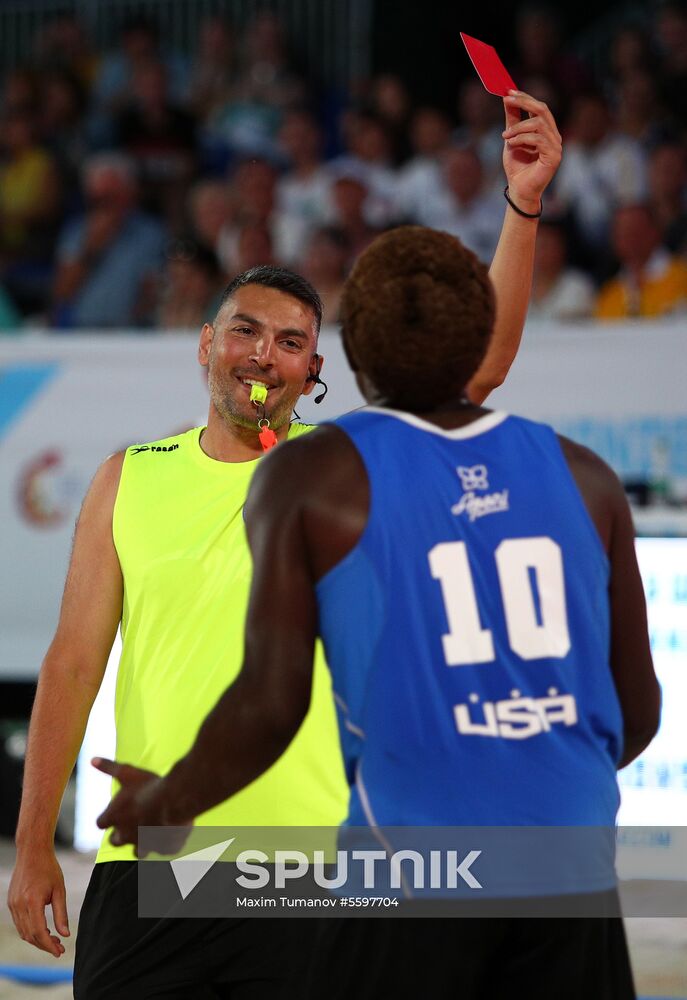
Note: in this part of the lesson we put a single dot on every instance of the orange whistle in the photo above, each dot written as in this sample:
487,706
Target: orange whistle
268,438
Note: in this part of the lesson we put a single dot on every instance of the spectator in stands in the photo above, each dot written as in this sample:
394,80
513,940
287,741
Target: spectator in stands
109,257
252,197
63,46
671,36
480,127
254,193
464,206
30,197
266,85
29,191
253,89
668,194
20,91
350,195
651,282
325,264
538,33
210,213
160,136
600,170
254,185
419,178
559,292
114,85
630,51
390,101
267,73
369,155
639,113
303,195
191,287
253,247
214,67
64,131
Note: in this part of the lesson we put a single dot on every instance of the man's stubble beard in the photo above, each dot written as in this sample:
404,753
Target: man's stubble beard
230,410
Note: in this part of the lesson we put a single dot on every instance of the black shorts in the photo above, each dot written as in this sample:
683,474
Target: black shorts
120,956
451,958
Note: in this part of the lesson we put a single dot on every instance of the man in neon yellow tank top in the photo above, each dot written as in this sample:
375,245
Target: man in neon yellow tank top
160,547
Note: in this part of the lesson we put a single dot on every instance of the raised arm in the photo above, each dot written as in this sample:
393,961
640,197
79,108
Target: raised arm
69,680
531,155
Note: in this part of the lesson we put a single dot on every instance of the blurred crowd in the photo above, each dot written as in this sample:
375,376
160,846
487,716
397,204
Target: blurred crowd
135,183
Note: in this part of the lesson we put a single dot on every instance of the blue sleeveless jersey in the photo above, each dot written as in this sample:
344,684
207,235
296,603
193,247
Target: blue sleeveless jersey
475,687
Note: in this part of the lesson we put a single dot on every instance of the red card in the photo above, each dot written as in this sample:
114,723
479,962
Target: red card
491,71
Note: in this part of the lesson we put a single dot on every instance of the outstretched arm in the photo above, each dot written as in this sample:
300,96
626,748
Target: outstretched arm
531,155
257,717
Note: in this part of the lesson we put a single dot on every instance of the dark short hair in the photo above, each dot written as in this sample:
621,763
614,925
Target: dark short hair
417,312
282,280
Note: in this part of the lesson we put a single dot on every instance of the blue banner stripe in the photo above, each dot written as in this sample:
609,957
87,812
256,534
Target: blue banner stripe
18,386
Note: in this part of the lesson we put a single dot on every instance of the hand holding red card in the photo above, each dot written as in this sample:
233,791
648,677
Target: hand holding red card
532,149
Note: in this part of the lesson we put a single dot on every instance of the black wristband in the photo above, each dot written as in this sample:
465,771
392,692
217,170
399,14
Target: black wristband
525,215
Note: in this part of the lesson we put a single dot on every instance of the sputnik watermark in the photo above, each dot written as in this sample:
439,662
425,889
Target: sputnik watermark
405,871
258,870
442,869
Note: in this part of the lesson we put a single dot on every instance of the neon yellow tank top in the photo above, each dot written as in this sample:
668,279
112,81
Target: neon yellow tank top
179,533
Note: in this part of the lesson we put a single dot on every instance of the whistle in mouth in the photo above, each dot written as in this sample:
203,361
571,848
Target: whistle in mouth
258,394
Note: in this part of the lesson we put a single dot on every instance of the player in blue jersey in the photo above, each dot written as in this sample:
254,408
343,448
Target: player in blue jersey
474,580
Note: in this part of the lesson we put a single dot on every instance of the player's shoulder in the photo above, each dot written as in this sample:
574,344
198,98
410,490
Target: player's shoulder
108,475
581,458
601,490
308,462
103,488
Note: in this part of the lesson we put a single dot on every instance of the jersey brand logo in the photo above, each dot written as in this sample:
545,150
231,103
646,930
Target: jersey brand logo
517,717
475,477
474,506
153,447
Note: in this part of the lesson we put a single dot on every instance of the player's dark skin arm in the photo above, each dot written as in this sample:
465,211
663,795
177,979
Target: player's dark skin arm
631,663
296,537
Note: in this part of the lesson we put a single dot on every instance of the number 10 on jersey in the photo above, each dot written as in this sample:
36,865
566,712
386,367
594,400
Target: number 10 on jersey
532,585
